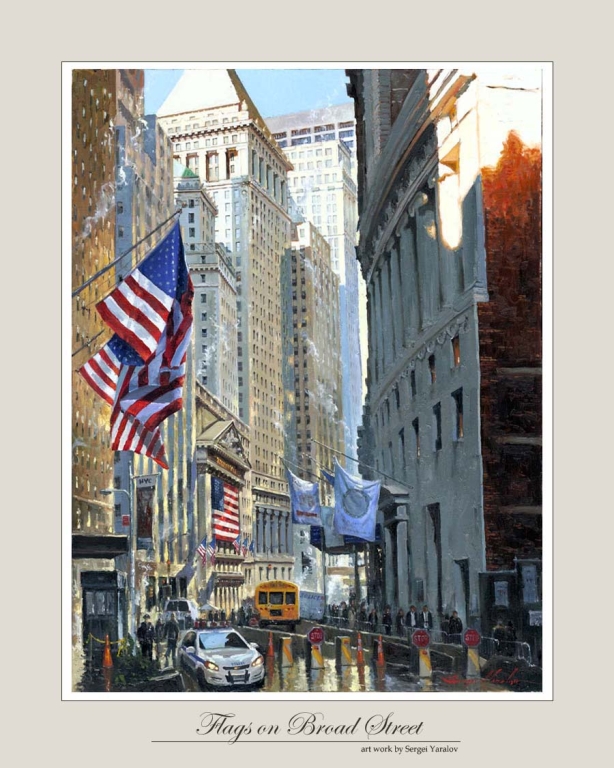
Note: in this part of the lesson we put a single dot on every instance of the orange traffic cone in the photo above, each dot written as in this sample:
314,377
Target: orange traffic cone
107,659
360,657
270,650
380,652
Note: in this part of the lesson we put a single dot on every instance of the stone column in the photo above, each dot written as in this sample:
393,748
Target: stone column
402,562
398,309
428,257
260,530
389,566
379,327
371,329
275,532
411,285
387,312
289,536
267,531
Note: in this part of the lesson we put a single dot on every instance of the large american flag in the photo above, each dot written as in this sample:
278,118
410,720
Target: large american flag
225,507
144,390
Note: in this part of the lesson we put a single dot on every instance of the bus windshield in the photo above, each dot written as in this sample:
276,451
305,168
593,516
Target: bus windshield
276,598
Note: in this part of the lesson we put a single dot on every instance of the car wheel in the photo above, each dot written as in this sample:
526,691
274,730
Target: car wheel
202,682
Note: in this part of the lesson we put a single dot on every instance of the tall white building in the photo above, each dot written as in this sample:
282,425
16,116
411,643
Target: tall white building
320,145
218,133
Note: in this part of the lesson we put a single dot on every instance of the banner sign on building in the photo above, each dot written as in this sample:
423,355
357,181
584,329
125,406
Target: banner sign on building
144,513
305,500
356,503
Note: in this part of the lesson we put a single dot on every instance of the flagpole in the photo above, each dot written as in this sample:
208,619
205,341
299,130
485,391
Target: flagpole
378,471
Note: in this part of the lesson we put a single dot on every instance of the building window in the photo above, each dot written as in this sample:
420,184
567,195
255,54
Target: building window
416,427
437,427
203,298
457,397
190,218
397,398
203,333
412,380
191,232
402,447
432,369
213,166
203,316
456,358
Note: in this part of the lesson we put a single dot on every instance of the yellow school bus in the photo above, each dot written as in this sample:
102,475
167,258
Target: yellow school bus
277,602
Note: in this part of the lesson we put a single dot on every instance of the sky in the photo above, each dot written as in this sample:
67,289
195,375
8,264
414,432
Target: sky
273,91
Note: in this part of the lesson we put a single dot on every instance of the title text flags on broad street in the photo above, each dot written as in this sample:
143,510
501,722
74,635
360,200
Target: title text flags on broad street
356,503
305,500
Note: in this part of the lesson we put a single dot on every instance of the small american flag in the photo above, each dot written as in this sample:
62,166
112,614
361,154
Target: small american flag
237,544
202,551
211,551
244,547
251,547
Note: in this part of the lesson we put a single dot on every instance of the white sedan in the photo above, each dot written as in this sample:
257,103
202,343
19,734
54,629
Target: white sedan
221,658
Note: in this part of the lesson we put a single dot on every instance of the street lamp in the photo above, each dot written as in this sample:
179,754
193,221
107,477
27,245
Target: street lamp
132,558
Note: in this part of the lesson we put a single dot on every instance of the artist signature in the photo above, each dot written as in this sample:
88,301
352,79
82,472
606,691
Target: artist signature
496,676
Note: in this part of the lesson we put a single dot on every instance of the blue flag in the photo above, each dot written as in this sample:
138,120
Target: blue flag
327,476
305,500
356,503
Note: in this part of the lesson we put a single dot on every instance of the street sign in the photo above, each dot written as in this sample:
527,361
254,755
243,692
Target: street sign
421,638
253,622
125,520
315,635
471,638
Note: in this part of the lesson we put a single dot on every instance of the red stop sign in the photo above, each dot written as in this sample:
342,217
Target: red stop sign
421,638
471,638
315,635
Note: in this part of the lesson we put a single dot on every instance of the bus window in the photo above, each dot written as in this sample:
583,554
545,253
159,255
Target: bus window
290,598
276,598
262,598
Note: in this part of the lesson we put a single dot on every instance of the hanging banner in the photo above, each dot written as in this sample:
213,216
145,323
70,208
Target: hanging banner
305,500
144,512
356,503
331,537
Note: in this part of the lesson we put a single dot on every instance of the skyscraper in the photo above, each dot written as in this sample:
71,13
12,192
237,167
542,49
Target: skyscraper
320,145
218,132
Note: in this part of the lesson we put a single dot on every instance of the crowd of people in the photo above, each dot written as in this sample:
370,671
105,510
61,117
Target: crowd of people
152,636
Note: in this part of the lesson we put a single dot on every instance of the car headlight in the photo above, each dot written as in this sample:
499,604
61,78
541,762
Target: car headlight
258,661
211,665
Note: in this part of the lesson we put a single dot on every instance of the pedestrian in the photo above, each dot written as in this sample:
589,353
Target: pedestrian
510,638
222,616
425,619
216,616
373,620
445,624
362,615
411,619
210,616
400,622
145,635
171,633
387,620
344,614
499,635
351,617
233,616
455,627
159,636
241,616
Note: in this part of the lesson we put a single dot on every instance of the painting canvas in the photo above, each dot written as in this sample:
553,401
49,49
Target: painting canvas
306,363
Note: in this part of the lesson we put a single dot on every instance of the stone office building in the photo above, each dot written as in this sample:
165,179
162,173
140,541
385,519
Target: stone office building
453,280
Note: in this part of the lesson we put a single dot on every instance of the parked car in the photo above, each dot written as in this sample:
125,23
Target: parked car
185,612
220,657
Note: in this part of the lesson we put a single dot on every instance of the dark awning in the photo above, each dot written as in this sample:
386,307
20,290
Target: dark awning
106,546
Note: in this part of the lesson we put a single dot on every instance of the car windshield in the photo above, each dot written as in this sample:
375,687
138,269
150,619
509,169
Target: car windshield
210,641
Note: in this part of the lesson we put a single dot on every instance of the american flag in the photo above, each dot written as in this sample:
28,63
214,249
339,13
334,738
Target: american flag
201,550
139,309
237,544
211,550
145,390
225,507
244,547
